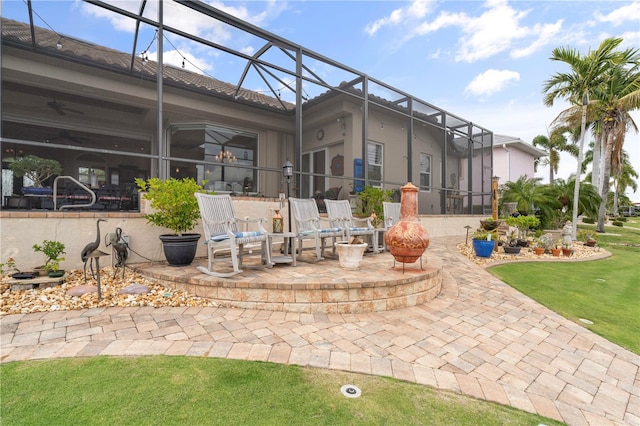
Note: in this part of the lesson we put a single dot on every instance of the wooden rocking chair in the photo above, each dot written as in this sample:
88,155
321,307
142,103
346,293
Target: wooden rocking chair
308,225
339,212
221,230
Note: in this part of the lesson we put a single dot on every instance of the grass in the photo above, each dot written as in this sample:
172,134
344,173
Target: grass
606,292
197,391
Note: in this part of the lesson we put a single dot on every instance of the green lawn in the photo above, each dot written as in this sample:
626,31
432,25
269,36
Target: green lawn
205,391
606,292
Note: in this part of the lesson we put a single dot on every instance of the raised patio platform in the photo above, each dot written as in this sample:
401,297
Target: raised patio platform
321,287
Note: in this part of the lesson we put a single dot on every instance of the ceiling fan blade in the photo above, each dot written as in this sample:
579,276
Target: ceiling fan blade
75,111
57,107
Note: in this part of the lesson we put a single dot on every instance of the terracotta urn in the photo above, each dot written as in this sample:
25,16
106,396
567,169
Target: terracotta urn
407,239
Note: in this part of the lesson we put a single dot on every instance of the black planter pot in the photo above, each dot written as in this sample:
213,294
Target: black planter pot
179,250
512,249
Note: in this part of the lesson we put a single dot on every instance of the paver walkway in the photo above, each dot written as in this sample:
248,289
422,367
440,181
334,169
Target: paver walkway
480,337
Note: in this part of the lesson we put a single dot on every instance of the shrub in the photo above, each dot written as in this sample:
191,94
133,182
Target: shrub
617,223
588,220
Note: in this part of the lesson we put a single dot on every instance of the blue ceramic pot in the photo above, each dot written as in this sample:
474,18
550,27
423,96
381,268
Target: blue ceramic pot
483,248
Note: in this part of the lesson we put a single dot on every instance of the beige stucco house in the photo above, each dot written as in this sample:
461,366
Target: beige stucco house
109,117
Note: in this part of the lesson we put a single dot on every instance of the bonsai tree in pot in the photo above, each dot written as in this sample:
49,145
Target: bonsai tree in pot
176,208
489,224
54,251
36,169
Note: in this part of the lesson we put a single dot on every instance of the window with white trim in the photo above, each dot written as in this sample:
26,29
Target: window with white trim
374,163
425,172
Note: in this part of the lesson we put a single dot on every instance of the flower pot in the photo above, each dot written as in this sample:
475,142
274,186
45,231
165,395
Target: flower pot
567,252
490,225
350,255
179,250
483,248
555,252
56,274
539,251
590,243
512,250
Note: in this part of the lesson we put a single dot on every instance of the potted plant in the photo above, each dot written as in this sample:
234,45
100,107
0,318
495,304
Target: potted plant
524,224
489,224
557,248
369,204
483,242
36,169
587,237
566,249
175,207
350,253
546,242
512,246
54,251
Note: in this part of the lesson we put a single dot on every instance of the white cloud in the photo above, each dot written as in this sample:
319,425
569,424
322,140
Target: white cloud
491,81
630,12
418,9
492,32
497,29
547,34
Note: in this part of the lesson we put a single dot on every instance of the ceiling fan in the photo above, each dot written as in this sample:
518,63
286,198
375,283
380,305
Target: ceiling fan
63,134
61,108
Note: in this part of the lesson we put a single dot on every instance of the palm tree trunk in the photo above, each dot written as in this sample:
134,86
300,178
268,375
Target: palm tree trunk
596,170
615,197
576,192
602,211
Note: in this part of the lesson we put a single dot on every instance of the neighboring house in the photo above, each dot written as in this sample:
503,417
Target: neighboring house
108,118
513,157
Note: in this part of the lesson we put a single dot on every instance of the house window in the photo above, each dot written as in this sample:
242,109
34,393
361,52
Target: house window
374,164
224,157
425,172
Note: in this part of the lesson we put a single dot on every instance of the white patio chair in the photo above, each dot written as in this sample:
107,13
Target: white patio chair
309,225
221,229
391,215
339,212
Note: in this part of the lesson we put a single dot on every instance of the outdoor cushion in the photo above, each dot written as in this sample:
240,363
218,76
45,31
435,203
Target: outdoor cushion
225,236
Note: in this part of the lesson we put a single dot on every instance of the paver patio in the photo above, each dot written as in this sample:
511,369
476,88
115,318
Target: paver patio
479,337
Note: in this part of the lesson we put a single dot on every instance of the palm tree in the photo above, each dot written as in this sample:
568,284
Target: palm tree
587,73
615,100
529,195
588,199
555,143
623,178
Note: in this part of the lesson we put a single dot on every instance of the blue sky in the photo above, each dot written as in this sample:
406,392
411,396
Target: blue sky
485,61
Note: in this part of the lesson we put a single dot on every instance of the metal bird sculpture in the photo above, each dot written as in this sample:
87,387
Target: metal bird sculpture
120,247
90,248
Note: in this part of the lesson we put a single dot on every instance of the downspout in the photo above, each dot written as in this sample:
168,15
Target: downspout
504,146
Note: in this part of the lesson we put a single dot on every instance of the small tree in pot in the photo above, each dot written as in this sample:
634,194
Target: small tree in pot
36,169
175,208
54,251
